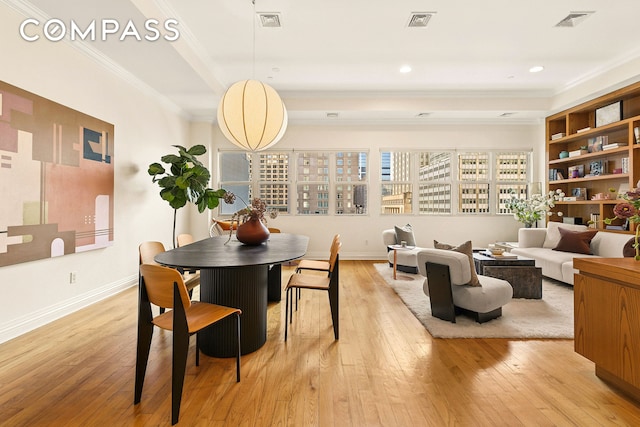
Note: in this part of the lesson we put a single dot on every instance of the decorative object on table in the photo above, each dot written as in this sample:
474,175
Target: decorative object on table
628,210
251,220
609,114
529,211
185,181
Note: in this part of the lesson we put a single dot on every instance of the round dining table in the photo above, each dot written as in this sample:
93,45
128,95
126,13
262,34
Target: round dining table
236,275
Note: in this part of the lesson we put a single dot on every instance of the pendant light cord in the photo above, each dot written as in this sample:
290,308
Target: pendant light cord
253,26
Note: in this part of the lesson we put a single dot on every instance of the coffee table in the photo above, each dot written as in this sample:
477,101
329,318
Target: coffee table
521,272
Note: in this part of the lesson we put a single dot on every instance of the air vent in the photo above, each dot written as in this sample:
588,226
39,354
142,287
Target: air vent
573,19
332,115
269,20
419,19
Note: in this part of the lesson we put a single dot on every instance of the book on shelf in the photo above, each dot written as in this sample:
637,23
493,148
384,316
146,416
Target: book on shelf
557,136
583,130
614,145
625,165
569,199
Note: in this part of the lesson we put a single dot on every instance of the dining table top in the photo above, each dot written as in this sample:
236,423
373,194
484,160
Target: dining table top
220,252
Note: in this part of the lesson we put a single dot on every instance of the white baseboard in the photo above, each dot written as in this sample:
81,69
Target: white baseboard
46,315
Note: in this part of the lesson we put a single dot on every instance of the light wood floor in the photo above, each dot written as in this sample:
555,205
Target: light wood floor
385,370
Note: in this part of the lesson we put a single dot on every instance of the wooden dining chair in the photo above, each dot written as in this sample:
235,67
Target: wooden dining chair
148,251
185,239
164,286
329,283
314,265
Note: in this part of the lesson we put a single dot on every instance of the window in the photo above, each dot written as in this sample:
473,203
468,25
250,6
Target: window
451,182
473,186
397,186
351,183
314,188
237,172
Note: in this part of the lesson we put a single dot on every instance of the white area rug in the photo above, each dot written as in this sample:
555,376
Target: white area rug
550,317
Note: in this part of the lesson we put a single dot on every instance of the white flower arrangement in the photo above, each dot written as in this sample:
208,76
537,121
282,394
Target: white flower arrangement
529,211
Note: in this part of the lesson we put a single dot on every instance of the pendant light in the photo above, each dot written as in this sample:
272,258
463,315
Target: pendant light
251,114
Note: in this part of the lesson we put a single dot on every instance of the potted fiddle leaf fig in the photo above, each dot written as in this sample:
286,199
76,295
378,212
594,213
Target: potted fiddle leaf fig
185,181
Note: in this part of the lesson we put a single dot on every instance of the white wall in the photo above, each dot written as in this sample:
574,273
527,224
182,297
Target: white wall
37,292
362,234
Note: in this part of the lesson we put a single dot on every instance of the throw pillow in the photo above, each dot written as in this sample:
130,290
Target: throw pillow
405,233
629,251
467,249
553,235
575,241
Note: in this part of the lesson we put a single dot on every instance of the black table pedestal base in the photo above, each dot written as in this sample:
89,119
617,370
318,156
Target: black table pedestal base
244,288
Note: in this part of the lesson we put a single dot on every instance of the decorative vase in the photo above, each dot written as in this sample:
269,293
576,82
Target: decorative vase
252,232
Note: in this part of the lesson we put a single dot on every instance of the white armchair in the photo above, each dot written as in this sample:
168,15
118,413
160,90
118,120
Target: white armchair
448,273
406,258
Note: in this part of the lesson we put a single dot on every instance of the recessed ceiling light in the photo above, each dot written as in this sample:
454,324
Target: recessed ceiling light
574,18
405,69
536,69
419,19
270,20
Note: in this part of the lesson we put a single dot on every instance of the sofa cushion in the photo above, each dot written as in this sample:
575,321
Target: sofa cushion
467,249
552,238
405,233
609,245
575,241
629,251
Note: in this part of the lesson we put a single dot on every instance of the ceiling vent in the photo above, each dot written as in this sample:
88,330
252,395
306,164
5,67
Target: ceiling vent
419,19
573,19
269,20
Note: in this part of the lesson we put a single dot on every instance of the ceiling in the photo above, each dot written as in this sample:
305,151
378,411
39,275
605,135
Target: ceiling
471,61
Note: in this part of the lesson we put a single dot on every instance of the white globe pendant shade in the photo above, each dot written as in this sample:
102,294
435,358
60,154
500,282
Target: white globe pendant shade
252,116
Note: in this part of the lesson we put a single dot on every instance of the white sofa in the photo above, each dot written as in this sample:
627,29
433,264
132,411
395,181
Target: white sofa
538,243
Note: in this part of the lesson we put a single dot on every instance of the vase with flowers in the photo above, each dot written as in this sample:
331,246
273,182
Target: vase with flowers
529,211
629,210
251,220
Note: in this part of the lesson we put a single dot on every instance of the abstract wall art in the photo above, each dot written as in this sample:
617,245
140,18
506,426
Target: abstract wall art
56,179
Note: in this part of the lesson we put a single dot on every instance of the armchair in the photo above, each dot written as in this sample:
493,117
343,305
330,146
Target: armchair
448,273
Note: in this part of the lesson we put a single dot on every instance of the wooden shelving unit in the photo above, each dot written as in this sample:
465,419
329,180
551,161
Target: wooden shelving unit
575,128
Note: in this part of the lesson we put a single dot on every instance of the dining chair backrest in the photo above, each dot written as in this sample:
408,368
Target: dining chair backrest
148,250
335,248
184,239
159,283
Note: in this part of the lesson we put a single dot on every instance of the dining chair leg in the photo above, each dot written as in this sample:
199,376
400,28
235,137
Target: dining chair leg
143,347
238,353
286,313
334,301
180,350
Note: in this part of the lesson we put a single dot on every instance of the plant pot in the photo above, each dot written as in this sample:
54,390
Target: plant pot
252,232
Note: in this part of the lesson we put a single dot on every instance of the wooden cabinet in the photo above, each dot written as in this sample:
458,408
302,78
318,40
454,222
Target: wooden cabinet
596,170
607,319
